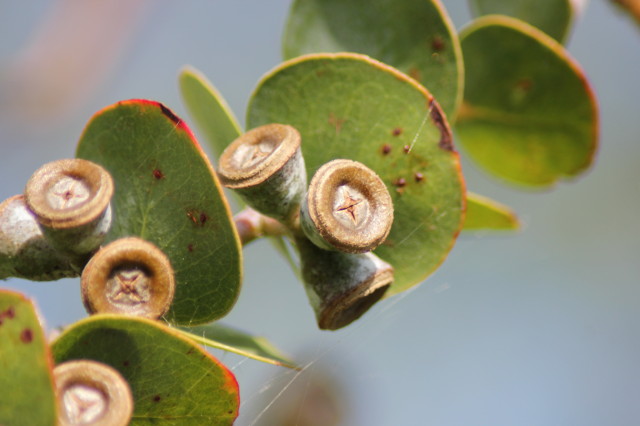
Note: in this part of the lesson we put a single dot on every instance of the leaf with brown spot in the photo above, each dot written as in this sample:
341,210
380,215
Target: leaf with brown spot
26,376
185,208
374,99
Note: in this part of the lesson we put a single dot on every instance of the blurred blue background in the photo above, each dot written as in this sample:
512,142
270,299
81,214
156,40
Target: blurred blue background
537,328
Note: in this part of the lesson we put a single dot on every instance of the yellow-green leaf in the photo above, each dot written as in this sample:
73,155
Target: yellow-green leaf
485,213
26,376
232,340
529,115
208,109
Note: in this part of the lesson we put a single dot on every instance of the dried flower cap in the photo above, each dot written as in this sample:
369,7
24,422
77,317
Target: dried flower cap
347,208
69,193
265,166
92,393
128,276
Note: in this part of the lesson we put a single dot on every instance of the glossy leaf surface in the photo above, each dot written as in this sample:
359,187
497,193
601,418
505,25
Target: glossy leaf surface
166,192
208,109
232,340
350,106
25,365
173,380
415,36
554,17
485,213
529,115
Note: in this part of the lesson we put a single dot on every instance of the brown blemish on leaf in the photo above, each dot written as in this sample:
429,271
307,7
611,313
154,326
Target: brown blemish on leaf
400,182
157,173
437,44
125,363
166,111
192,215
419,177
157,398
190,248
406,149
26,336
198,218
336,122
9,313
524,84
386,149
435,112
397,131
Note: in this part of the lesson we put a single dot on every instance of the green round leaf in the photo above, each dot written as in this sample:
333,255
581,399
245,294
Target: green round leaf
414,36
350,106
486,214
529,116
173,380
554,17
26,376
166,192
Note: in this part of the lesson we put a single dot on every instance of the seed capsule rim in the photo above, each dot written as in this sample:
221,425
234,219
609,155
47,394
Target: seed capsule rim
235,177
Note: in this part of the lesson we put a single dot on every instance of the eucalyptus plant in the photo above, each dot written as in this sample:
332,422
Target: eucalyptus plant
348,164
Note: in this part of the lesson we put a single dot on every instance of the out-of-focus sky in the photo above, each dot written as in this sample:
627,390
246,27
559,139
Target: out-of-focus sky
537,328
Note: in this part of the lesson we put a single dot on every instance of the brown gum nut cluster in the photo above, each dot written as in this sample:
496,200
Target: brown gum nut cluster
128,276
92,393
346,214
347,208
265,166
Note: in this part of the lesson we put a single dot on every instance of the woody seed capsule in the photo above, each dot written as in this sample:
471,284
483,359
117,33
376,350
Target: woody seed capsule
24,250
347,208
340,286
92,393
265,166
128,276
70,199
